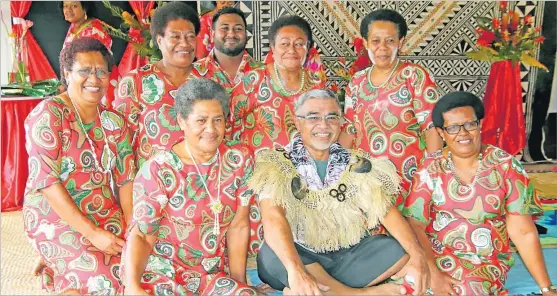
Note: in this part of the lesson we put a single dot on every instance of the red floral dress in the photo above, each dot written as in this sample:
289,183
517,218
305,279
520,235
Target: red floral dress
146,99
209,68
261,118
204,44
93,29
390,121
60,153
467,227
171,203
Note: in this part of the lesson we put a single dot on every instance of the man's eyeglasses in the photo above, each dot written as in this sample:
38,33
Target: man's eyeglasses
455,128
315,119
86,73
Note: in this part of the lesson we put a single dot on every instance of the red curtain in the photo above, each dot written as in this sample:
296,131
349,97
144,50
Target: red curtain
13,156
503,125
37,64
131,60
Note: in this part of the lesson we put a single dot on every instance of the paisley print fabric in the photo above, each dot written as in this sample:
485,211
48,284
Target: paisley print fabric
390,121
261,118
204,43
467,228
171,203
146,99
93,29
60,153
209,68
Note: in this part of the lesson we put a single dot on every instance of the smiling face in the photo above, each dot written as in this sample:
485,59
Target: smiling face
383,43
204,127
320,125
178,43
465,143
290,47
73,11
230,35
88,78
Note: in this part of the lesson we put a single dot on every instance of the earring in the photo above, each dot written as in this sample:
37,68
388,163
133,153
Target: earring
85,16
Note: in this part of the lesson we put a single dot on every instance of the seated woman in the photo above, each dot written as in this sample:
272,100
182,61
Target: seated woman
468,203
190,206
76,148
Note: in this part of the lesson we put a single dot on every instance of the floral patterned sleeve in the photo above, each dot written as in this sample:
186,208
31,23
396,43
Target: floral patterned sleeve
149,197
204,37
419,201
424,96
243,98
126,102
244,194
43,142
521,197
349,110
125,169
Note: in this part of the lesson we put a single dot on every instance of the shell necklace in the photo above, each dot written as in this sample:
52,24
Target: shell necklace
215,205
386,80
467,187
281,83
95,156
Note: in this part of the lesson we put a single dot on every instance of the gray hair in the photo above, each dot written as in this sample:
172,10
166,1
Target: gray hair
200,89
315,94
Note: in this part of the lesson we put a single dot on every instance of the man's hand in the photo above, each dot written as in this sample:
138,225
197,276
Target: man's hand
415,270
443,284
303,283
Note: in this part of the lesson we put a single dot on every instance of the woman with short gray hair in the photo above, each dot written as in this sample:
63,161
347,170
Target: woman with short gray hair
190,206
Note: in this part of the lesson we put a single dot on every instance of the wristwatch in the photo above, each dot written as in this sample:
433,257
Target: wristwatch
547,289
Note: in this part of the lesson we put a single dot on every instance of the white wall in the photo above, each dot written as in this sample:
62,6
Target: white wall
6,55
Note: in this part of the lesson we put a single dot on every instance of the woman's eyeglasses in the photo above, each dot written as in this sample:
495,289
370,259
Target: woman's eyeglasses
455,128
86,73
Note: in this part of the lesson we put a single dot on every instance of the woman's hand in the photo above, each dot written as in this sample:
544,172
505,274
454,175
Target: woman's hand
443,284
106,241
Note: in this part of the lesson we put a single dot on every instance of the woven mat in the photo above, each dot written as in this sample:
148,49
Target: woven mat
18,259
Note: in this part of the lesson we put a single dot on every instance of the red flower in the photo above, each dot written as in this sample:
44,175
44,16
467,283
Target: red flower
495,23
503,5
486,38
505,22
358,44
479,31
135,35
539,40
514,21
528,20
506,36
538,29
334,87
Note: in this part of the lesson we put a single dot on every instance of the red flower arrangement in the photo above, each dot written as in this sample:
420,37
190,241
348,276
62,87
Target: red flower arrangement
347,69
508,37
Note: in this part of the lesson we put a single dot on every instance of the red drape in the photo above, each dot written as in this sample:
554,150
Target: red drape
13,156
131,60
504,125
37,64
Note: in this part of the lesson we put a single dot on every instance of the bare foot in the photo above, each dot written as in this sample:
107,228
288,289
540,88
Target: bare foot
41,264
386,289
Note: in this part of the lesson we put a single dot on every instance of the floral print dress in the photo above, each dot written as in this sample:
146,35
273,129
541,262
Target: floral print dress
59,153
171,203
146,99
390,121
93,29
467,227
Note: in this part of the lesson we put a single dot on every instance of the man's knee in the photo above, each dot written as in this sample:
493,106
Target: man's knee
270,269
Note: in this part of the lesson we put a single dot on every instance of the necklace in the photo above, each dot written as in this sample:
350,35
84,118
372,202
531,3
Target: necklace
467,187
281,83
215,205
386,80
97,165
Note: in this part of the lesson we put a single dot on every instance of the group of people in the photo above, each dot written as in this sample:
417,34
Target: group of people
170,189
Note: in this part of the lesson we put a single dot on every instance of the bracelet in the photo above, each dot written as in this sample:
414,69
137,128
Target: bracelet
547,289
434,154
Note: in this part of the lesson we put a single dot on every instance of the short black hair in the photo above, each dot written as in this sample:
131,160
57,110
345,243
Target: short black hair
88,6
385,15
290,20
170,12
84,44
455,100
229,10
